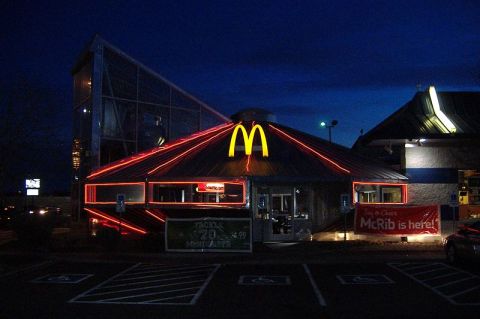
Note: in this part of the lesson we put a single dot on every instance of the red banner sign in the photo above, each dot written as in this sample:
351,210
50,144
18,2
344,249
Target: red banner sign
397,220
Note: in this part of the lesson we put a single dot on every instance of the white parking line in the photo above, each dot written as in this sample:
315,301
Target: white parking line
170,269
150,281
160,290
143,288
436,289
452,282
317,292
161,275
146,294
108,280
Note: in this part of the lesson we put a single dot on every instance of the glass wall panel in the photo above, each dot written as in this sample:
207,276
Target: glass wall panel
152,89
153,126
185,123
82,84
119,76
379,193
119,119
209,119
181,100
112,150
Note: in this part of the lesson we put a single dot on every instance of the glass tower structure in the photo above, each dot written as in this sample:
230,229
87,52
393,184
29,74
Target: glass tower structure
121,107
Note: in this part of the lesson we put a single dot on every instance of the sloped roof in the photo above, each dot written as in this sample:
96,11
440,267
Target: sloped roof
416,119
293,155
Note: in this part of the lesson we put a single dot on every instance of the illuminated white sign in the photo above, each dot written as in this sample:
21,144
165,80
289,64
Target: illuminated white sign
32,191
32,183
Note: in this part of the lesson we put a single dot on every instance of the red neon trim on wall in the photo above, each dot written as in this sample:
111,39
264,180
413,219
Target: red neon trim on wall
91,192
118,222
310,149
141,156
188,151
244,193
154,216
403,186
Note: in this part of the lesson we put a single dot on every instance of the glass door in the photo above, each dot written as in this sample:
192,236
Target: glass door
282,217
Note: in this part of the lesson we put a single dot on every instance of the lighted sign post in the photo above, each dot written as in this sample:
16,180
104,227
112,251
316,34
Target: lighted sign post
209,234
32,186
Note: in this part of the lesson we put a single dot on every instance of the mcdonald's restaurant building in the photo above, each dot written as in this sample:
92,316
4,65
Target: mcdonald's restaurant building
249,180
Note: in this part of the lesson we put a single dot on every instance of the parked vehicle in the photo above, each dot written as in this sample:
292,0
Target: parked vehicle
464,244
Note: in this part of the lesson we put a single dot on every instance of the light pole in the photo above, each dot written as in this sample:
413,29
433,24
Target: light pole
329,126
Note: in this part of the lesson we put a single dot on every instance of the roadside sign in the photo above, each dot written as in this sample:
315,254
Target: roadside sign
366,279
120,207
261,280
62,278
209,234
453,200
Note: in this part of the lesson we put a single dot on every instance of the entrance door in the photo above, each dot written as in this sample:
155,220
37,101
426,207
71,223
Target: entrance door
281,217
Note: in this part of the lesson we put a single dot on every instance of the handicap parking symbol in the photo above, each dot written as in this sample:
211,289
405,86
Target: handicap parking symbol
366,279
62,278
264,280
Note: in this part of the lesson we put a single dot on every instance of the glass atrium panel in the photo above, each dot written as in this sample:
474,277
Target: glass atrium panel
112,150
186,122
82,84
119,119
209,119
181,100
153,126
119,76
152,89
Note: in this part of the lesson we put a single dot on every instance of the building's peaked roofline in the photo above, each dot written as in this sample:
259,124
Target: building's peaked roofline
291,153
98,40
418,119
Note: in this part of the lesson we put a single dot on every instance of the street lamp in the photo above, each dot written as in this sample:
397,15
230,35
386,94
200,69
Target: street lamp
329,126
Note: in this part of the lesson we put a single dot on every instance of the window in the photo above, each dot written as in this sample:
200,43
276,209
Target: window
379,193
302,201
107,193
282,203
219,193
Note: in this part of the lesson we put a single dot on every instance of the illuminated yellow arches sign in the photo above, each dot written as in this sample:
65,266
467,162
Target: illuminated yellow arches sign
248,140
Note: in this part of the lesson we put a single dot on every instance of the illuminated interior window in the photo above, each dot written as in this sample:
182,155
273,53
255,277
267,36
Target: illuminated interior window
107,193
379,193
197,193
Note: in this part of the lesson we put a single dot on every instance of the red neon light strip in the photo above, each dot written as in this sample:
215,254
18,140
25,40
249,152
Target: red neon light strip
310,149
141,156
248,164
188,151
154,216
124,224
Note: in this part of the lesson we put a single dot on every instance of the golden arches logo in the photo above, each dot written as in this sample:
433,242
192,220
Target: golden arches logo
248,140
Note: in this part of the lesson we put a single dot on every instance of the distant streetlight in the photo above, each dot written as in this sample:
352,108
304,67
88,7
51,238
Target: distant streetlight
329,126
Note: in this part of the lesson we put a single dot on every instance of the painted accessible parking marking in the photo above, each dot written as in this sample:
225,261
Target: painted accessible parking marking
61,278
458,286
364,279
263,280
153,284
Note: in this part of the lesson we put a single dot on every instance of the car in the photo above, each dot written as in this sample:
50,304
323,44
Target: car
464,244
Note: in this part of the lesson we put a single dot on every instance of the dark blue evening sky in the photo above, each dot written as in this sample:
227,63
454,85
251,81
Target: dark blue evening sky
307,61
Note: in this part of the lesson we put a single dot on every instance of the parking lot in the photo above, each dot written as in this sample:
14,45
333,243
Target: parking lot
410,289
